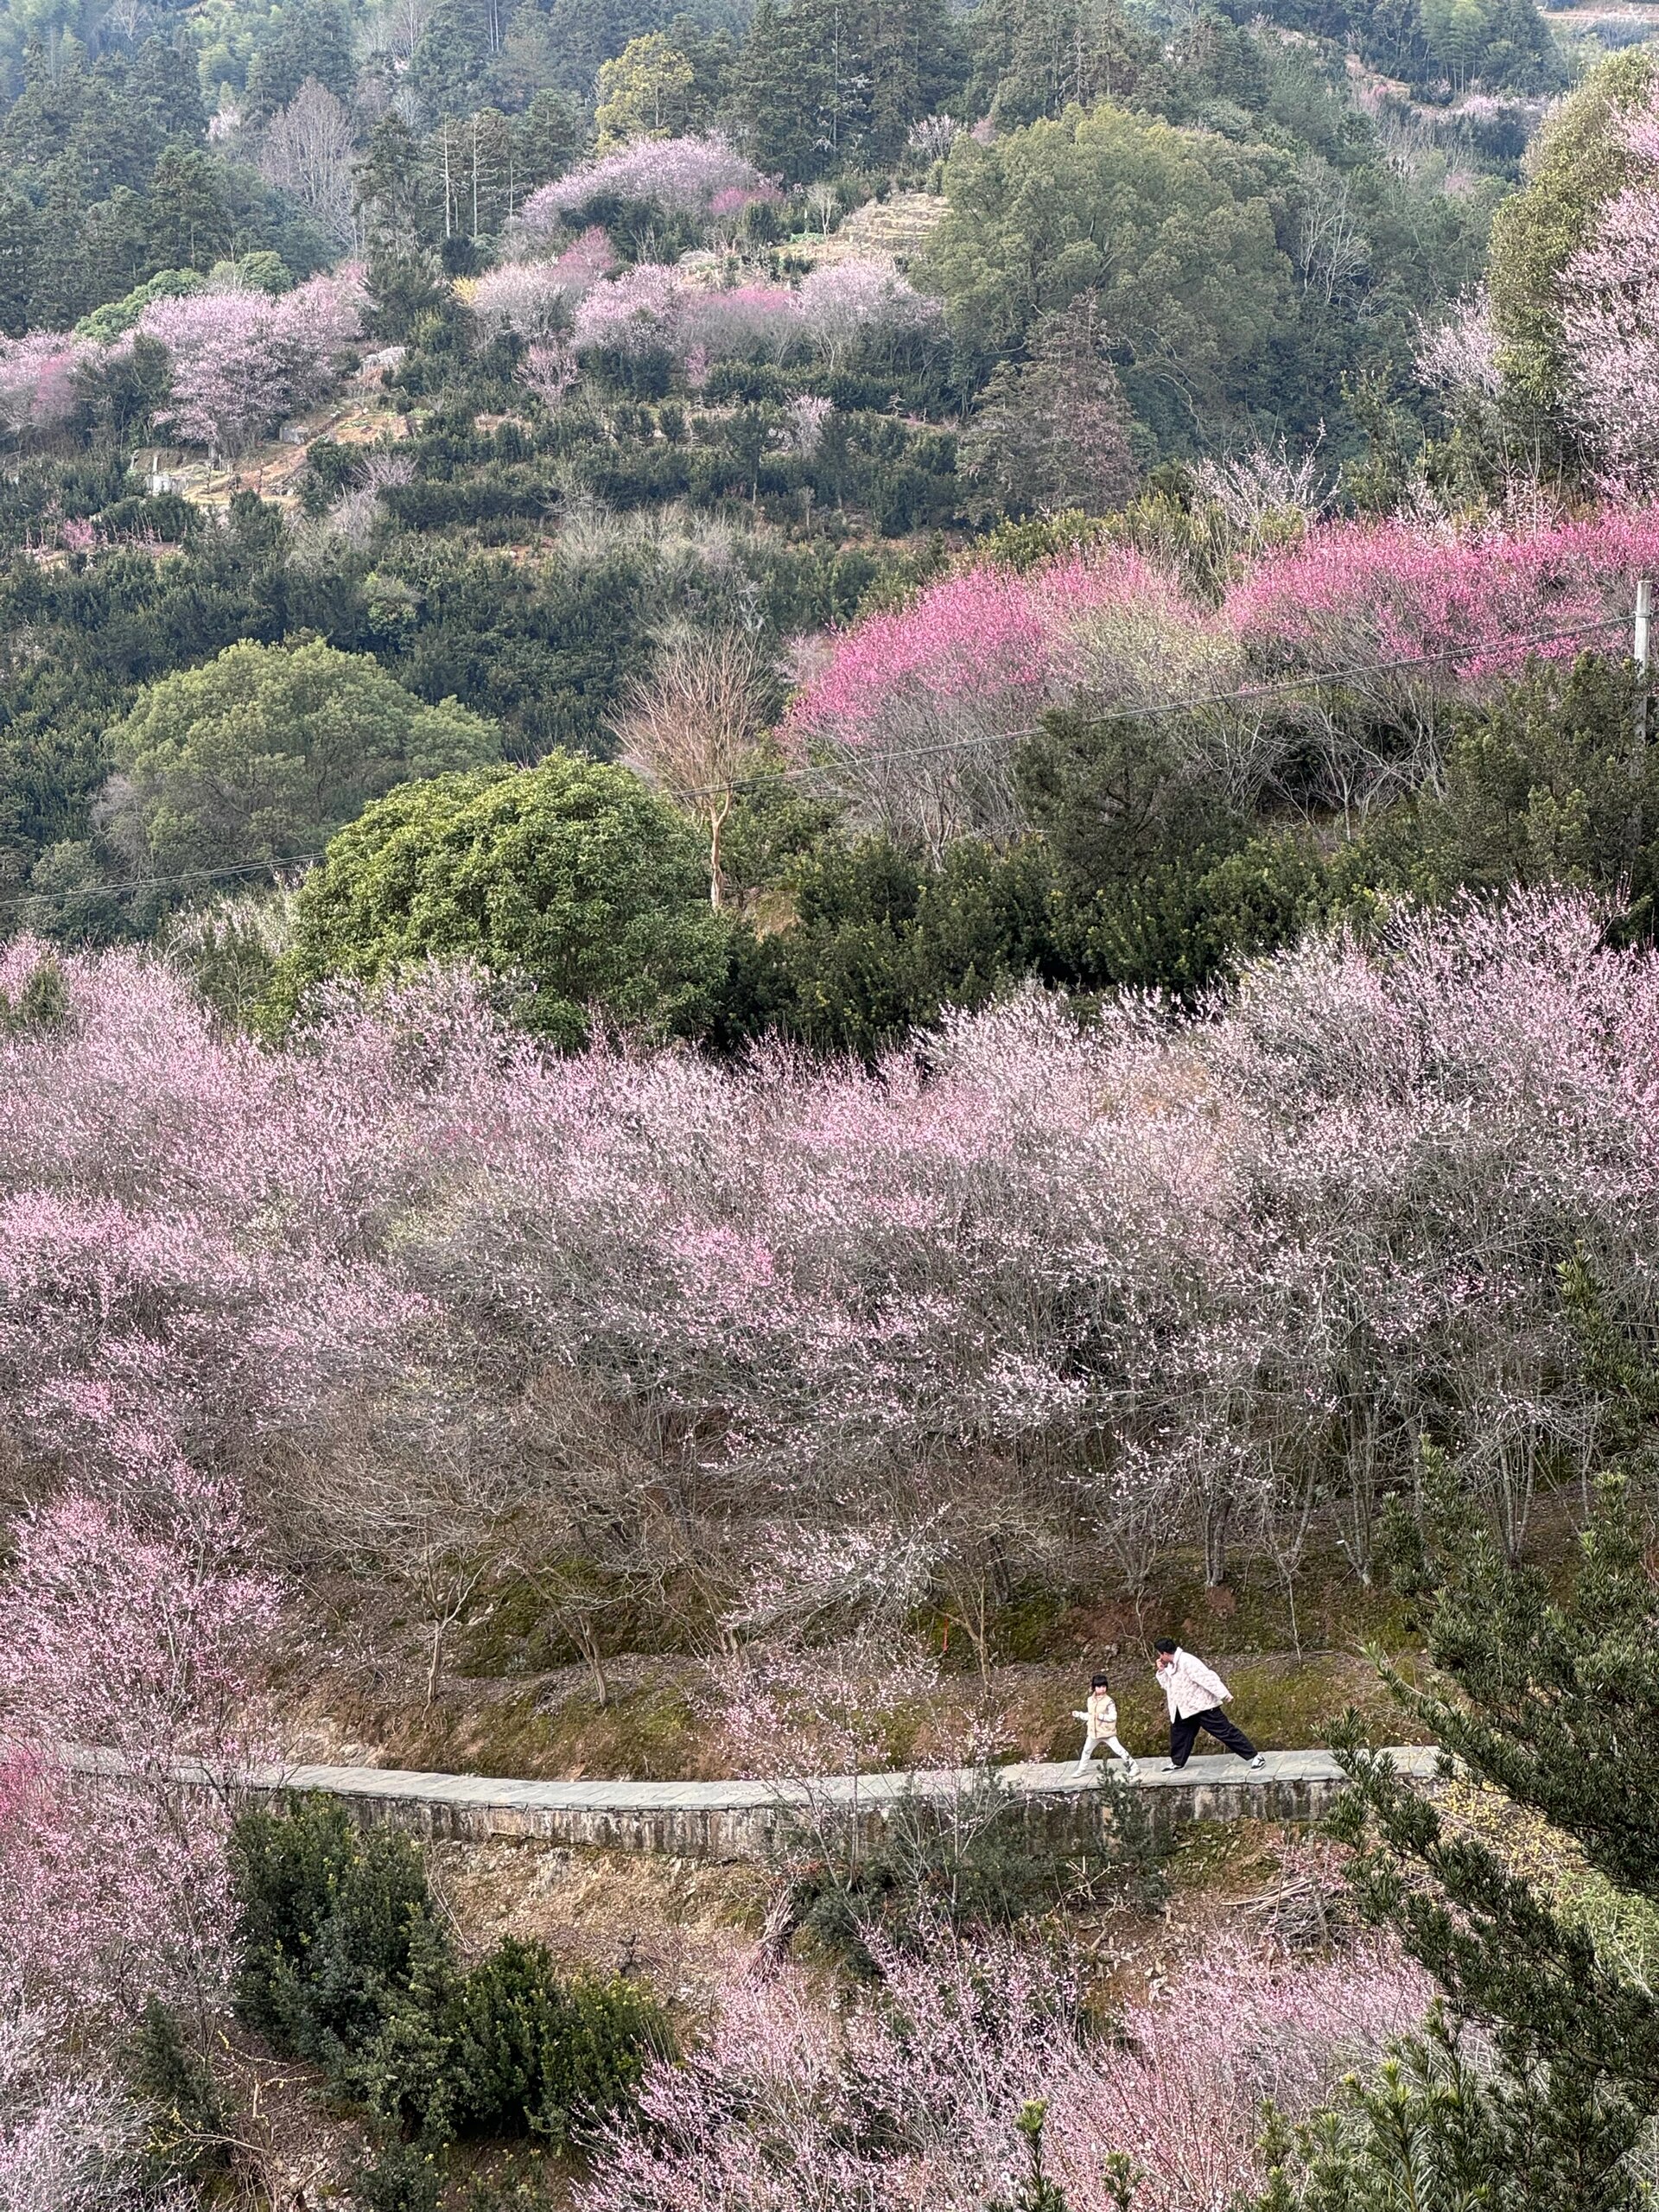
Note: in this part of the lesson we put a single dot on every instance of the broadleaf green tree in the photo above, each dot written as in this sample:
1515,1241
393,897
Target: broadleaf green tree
570,880
646,93
264,752
1173,231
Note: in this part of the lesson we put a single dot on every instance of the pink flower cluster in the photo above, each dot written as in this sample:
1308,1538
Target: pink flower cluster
1325,1218
1460,356
908,2099
653,307
131,1630
642,311
241,360
916,713
843,302
1354,593
683,175
534,298
38,374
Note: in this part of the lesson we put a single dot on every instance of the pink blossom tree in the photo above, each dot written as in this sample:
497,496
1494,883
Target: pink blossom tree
130,1643
1412,620
1460,356
911,2096
1110,1286
843,304
744,319
642,311
1354,642
1610,289
240,361
681,175
918,714
69,2141
534,298
38,394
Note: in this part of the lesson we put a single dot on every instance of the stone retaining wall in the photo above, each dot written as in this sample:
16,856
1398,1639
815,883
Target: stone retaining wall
736,1819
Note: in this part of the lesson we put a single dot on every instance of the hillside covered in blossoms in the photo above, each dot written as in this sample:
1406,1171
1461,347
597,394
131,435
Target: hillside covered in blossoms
829,840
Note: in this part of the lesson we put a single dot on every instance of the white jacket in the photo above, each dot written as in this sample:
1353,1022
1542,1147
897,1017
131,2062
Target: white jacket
1190,1687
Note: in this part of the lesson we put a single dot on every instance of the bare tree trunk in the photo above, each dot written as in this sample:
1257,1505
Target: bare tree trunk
1217,1514
717,814
588,1643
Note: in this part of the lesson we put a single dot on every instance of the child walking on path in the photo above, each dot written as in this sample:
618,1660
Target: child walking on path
1100,1720
1196,1694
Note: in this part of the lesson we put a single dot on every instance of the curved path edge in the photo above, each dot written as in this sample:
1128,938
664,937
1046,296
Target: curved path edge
739,1819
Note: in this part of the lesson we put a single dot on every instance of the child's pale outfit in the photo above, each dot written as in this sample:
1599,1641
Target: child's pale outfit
1101,1721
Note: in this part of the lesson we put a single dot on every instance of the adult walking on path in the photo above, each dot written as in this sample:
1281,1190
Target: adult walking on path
1196,1694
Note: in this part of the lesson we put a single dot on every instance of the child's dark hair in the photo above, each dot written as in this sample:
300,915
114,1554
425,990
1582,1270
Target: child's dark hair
1100,1681
1166,1644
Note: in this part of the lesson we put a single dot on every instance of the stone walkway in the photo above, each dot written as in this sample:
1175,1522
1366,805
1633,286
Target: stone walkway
735,1819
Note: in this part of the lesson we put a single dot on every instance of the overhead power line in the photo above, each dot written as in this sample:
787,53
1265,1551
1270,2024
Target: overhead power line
1312,679
161,882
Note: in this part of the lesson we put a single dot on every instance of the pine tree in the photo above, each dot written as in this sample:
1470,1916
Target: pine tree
1054,432
1559,1709
826,85
165,84
190,224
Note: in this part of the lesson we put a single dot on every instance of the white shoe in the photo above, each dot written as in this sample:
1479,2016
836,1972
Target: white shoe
1257,1764
1131,1772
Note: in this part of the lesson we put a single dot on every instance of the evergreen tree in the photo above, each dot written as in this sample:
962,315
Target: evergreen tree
644,93
444,71
1559,1705
313,40
1036,58
547,138
165,84
114,142
18,224
187,220
115,247
1054,432
785,90
827,84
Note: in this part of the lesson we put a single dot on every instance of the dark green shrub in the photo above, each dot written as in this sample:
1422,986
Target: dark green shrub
344,1962
327,1919
533,2054
185,2137
42,1005
402,2177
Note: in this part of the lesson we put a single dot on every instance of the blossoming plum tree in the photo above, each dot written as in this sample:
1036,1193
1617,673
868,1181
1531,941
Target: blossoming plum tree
240,361
911,2097
681,175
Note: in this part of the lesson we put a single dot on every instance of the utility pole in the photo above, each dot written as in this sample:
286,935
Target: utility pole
1641,649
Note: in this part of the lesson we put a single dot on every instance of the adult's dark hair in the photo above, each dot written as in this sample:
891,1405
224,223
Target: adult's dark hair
1165,1644
1100,1681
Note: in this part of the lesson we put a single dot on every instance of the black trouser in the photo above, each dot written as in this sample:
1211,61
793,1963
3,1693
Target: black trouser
1183,1734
